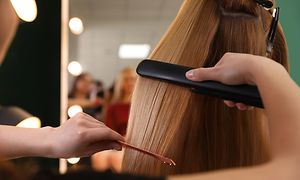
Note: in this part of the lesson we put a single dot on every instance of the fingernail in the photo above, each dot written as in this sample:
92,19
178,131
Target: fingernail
190,74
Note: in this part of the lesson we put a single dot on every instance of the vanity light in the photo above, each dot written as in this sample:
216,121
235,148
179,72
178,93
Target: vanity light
25,9
76,25
73,110
15,116
73,160
75,68
31,122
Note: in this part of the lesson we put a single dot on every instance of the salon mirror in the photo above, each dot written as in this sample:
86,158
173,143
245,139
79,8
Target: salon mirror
106,37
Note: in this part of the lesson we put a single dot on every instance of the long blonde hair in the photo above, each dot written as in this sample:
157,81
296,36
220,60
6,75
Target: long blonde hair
118,93
200,133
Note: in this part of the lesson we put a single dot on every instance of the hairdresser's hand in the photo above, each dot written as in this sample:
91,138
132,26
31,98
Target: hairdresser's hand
82,136
232,69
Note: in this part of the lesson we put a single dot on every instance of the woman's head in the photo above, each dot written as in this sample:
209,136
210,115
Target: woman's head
82,84
200,133
124,84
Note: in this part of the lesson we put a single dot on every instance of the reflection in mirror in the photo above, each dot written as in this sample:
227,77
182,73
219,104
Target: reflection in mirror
107,40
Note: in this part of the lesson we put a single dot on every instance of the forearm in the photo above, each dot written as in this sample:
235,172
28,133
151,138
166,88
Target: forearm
80,136
281,98
22,142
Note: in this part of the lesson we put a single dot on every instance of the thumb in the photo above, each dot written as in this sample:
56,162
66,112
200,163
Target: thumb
202,74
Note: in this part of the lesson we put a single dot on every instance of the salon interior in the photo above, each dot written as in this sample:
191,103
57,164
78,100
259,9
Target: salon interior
71,56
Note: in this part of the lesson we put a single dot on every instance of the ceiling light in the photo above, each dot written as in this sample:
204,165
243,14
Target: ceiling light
134,51
75,68
76,25
73,110
25,9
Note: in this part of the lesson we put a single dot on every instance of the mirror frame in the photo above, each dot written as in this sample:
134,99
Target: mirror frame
63,166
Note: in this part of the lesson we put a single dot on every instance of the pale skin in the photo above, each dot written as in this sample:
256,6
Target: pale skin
281,97
80,136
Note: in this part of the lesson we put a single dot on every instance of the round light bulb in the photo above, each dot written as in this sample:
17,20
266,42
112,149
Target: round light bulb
25,9
75,68
32,122
76,25
73,160
73,110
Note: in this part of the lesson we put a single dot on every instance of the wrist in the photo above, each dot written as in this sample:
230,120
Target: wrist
258,66
47,143
250,72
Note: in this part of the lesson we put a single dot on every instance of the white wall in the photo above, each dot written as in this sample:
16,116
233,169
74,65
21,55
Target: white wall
97,48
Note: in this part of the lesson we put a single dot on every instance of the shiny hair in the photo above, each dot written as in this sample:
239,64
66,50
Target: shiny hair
201,133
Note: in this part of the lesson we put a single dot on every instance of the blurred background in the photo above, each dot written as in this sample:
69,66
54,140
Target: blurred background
107,39
111,24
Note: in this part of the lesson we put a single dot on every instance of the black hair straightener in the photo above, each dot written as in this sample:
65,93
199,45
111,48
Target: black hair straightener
176,74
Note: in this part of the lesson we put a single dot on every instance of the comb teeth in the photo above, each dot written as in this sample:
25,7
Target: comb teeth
161,158
167,161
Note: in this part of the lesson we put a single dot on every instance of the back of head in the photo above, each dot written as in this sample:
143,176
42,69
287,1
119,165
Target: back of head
200,133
